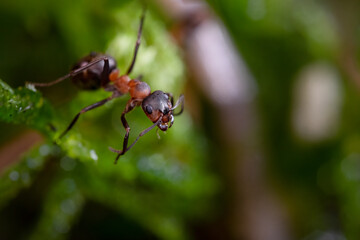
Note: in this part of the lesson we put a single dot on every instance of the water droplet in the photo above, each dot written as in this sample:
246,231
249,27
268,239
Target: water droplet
44,150
68,206
350,166
30,87
60,225
70,185
143,164
67,163
25,177
32,163
14,175
93,155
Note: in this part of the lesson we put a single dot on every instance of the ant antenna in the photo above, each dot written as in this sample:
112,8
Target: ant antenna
137,45
178,102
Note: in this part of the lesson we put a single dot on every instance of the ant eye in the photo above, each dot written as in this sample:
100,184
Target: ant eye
148,109
166,111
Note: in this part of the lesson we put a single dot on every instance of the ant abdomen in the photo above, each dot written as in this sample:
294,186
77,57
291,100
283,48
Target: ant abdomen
91,78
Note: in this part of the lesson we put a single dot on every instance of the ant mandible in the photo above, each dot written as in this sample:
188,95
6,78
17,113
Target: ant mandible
99,71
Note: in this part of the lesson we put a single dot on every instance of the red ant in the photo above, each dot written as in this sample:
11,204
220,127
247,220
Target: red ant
99,70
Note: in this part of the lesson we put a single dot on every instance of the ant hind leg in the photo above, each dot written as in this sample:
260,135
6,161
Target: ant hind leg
71,74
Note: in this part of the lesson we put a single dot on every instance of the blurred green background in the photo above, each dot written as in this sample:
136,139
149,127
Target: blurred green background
303,58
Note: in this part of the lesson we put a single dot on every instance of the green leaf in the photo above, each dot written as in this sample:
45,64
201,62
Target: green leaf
24,106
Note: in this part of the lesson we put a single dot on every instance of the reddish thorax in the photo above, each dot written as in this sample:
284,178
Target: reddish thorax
124,84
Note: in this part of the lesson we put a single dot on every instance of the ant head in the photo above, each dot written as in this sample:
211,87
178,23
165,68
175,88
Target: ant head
158,105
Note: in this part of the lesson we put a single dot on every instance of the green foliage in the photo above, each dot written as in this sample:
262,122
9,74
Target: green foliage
24,106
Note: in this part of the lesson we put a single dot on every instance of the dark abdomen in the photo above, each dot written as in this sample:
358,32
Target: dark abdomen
91,78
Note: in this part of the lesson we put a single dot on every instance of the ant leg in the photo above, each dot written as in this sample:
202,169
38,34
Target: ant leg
105,73
179,101
84,110
137,45
71,74
132,103
122,152
144,132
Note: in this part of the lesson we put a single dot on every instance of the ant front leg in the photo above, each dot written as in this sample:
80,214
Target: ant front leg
132,103
84,110
122,152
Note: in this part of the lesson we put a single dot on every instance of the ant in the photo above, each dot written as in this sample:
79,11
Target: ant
100,71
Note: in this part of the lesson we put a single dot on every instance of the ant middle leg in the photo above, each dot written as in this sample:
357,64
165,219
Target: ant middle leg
84,110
